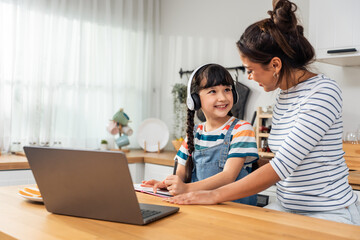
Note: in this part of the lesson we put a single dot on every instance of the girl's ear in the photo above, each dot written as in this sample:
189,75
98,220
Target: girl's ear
276,64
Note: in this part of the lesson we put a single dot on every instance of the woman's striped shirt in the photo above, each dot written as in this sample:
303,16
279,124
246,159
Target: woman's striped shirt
243,143
306,137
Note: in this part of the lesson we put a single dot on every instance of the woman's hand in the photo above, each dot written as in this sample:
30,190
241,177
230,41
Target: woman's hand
155,184
198,197
175,185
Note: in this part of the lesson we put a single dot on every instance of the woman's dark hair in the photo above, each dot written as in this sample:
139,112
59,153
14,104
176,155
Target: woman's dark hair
278,36
215,75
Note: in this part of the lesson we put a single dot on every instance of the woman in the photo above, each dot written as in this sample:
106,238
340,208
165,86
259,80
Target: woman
306,137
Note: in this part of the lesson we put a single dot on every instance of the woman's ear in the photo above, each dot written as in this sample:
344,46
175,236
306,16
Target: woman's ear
276,64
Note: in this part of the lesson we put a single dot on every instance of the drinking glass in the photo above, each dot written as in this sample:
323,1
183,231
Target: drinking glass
352,138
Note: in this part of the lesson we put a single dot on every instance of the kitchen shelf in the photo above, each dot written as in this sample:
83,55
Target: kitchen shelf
260,115
264,115
266,154
264,135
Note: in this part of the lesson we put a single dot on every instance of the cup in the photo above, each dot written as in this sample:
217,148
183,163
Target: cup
127,130
122,141
352,138
112,128
121,118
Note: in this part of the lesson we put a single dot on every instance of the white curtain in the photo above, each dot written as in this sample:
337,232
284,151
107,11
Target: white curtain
66,66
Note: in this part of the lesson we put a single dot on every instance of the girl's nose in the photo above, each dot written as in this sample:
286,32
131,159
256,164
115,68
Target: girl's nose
221,96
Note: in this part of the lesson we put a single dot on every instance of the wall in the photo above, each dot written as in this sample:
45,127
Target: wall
194,32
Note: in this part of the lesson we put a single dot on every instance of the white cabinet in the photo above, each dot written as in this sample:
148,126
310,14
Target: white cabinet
136,172
158,172
334,31
16,177
357,192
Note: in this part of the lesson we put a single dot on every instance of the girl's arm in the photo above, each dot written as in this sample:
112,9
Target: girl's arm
155,184
259,180
231,170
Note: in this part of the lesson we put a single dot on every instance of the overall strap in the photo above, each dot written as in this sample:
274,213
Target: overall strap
227,138
195,128
226,145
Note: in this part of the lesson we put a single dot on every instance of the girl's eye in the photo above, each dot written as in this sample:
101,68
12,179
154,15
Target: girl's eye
249,71
227,89
212,91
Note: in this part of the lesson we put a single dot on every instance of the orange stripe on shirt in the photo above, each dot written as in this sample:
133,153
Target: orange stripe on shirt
184,144
226,127
244,133
241,124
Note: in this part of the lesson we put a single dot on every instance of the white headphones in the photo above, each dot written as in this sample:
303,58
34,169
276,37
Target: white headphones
189,100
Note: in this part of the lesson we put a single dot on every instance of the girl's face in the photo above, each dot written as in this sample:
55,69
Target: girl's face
260,74
216,101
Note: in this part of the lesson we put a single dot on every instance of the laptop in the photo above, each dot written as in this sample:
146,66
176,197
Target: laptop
90,184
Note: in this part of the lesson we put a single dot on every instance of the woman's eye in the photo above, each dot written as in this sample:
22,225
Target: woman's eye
249,71
227,89
212,91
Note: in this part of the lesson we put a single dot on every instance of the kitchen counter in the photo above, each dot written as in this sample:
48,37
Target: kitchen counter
352,158
23,219
13,162
166,158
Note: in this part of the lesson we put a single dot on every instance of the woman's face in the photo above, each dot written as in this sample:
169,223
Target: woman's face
260,74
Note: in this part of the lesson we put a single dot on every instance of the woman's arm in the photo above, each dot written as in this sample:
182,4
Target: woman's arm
231,170
259,180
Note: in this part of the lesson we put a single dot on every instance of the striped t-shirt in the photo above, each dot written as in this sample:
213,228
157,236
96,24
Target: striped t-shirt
306,137
243,143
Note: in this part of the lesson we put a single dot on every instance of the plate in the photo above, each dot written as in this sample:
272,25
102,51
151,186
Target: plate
35,199
31,193
154,133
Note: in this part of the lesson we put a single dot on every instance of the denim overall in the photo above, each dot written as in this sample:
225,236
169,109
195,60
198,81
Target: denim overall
211,161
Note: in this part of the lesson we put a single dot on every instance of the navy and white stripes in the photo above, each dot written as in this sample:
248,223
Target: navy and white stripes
306,137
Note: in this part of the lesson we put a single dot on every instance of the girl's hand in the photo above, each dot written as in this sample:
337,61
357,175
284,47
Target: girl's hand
155,184
175,185
198,197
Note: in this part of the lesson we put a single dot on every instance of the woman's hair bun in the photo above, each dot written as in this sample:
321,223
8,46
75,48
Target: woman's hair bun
283,15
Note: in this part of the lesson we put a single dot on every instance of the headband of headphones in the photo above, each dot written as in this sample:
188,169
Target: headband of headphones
189,101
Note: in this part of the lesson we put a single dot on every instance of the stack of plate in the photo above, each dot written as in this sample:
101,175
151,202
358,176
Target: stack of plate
31,193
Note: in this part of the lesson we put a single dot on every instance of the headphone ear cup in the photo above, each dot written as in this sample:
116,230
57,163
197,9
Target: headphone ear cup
235,95
197,103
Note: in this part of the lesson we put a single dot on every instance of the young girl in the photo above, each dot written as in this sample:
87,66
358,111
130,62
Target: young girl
218,151
306,136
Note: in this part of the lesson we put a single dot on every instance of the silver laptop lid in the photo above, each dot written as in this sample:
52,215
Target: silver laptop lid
91,184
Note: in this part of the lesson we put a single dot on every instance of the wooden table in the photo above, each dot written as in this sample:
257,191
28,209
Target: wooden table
16,162
22,219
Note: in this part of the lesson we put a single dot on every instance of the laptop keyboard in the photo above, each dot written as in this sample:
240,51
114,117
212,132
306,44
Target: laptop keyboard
148,213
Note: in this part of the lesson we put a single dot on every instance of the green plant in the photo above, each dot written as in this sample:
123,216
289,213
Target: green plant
180,109
104,141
